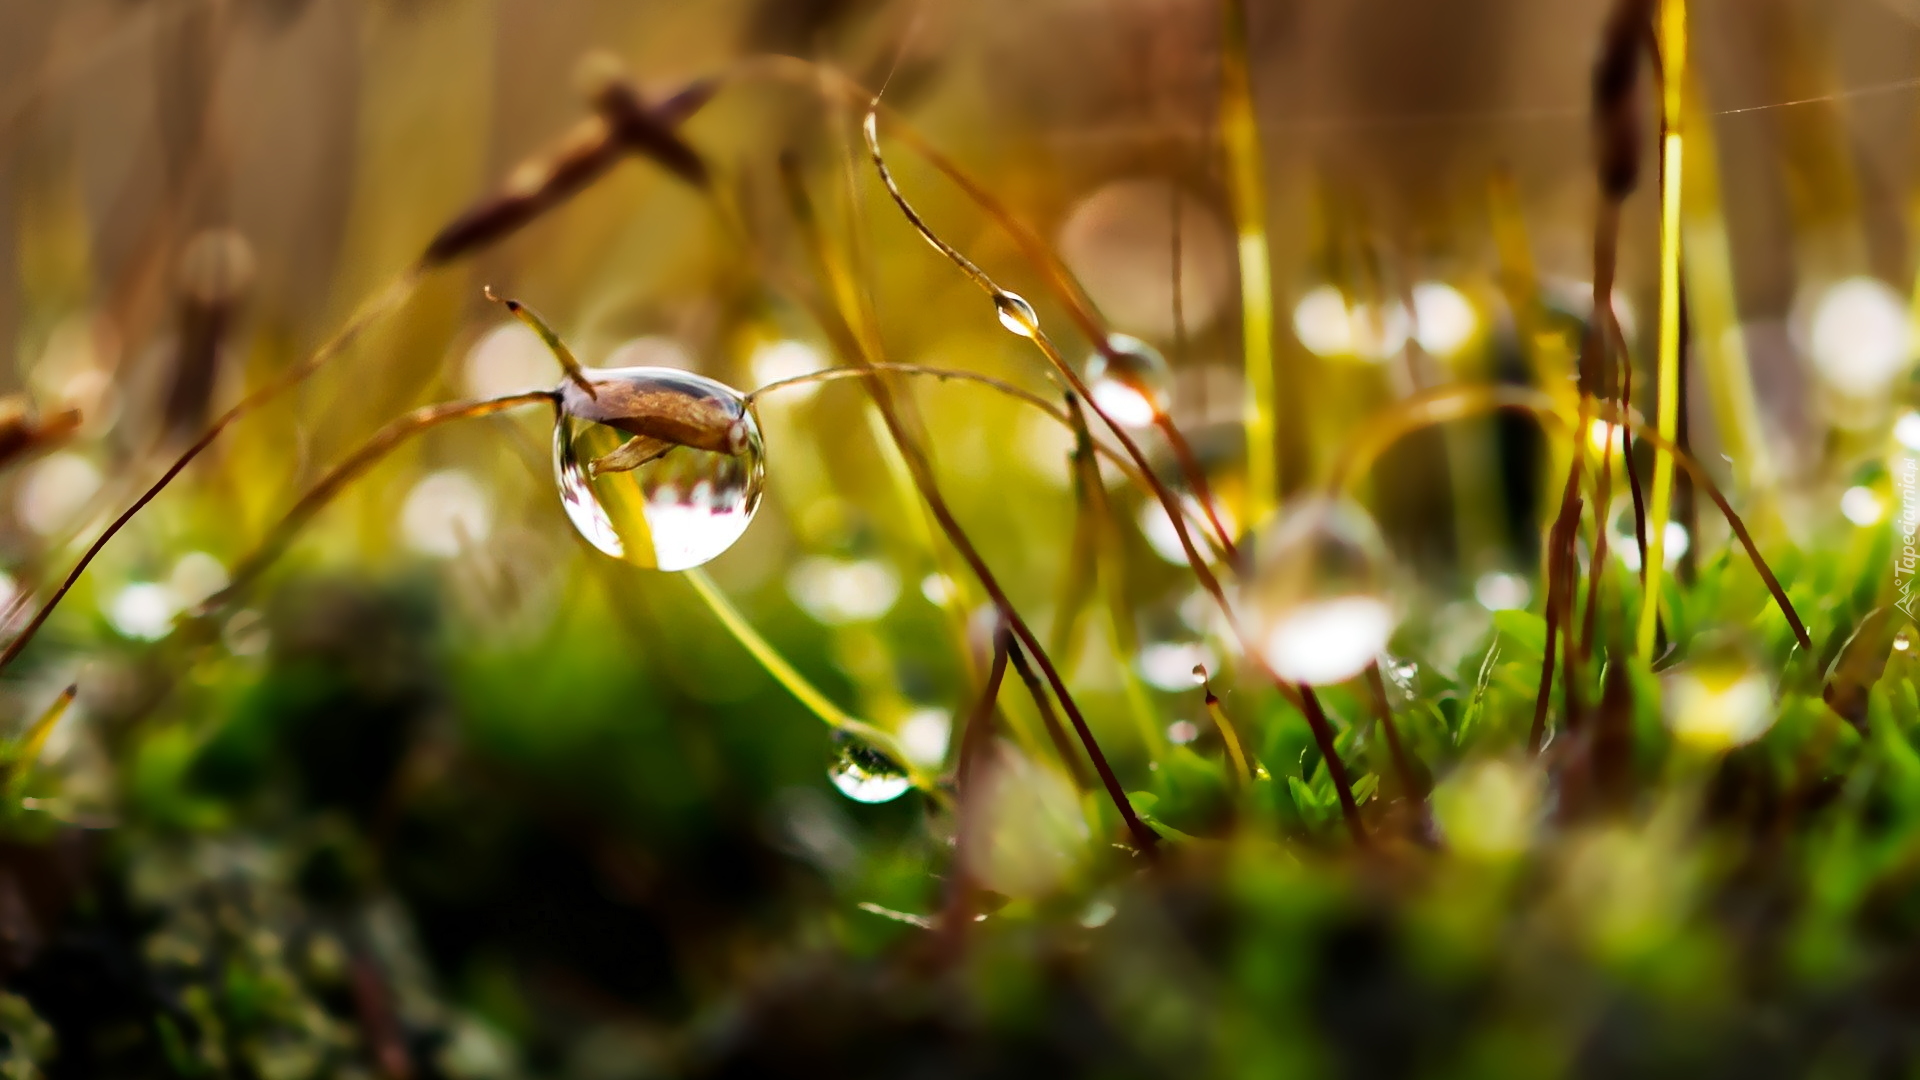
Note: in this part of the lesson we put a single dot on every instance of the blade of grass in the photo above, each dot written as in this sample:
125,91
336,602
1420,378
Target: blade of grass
1240,134
791,680
1673,56
26,751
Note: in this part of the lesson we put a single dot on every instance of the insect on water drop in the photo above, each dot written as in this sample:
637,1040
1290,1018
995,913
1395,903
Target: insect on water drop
659,467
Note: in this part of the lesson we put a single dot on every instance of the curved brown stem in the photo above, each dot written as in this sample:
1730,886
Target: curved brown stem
1080,310
974,744
1197,480
1027,325
1336,769
1383,711
855,347
383,442
380,304
1465,402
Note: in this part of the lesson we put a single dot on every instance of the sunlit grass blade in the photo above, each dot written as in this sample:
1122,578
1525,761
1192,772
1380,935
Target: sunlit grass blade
25,751
1246,182
1673,55
789,677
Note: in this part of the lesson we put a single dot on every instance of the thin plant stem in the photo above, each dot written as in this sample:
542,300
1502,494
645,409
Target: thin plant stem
1633,471
1049,719
387,299
1559,541
975,744
1323,738
790,678
1236,751
1196,478
858,347
979,728
1100,559
383,442
1454,403
1246,183
1054,412
1673,57
1019,317
25,751
576,165
1383,712
547,337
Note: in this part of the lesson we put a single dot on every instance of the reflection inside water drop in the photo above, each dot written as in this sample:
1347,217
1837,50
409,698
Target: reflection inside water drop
1016,314
1130,381
1319,594
864,774
660,467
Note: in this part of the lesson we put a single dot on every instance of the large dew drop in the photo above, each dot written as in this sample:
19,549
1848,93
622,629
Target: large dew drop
659,467
864,774
1130,381
1317,602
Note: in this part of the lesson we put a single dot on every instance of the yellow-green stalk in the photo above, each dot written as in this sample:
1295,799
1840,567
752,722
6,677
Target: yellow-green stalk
1240,135
1673,59
789,677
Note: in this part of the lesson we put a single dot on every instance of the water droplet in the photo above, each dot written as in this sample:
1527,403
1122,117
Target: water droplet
1317,598
1902,642
1133,385
1016,314
864,774
662,468
1719,698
